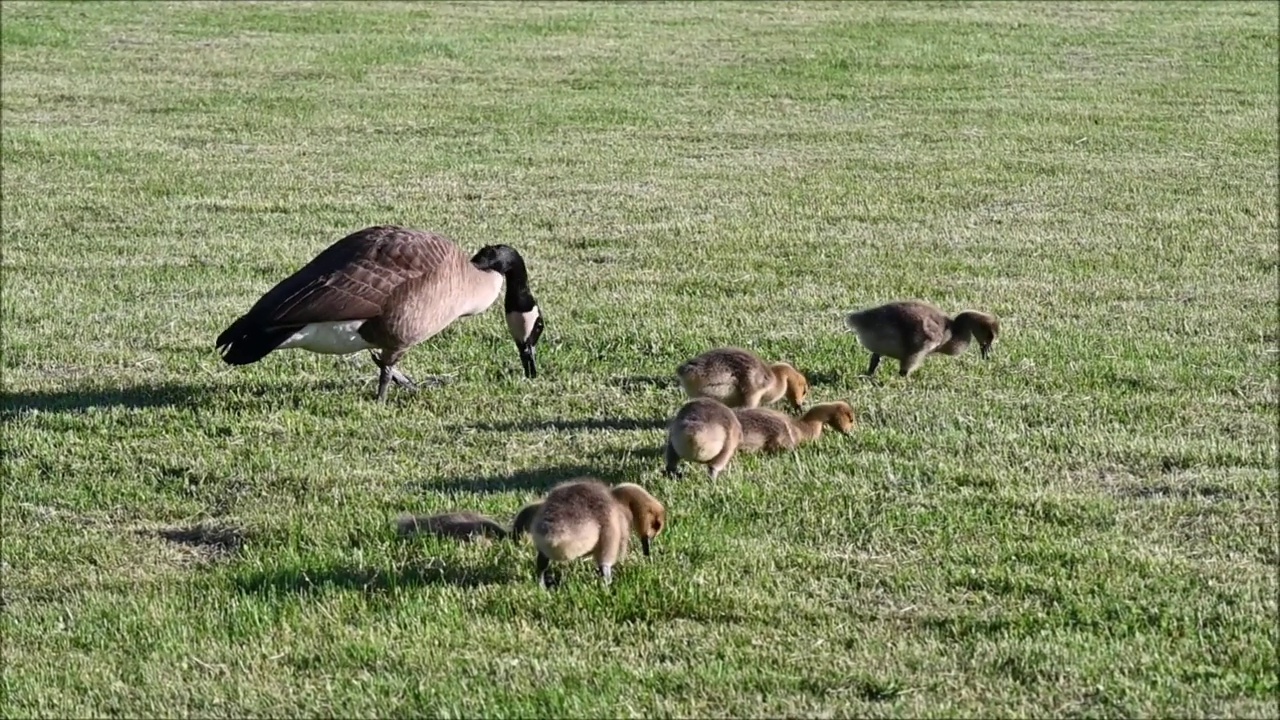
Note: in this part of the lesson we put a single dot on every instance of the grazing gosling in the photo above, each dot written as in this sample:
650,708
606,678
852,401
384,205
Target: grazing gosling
909,331
765,430
648,516
464,526
705,431
585,516
739,378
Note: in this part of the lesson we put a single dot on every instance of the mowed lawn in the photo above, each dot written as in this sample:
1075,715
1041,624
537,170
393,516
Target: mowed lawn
1083,525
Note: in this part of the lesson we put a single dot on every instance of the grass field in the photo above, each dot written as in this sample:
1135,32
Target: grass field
1084,525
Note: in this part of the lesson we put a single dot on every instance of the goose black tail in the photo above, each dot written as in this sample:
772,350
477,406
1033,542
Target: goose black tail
244,342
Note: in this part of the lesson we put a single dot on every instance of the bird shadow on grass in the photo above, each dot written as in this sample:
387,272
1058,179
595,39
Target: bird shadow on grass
816,377
633,382
539,480
375,580
82,399
582,424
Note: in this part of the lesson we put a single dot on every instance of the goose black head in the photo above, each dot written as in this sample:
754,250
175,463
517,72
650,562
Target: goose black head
524,319
499,258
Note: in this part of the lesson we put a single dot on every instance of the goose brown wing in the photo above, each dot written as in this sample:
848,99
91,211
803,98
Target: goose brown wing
352,279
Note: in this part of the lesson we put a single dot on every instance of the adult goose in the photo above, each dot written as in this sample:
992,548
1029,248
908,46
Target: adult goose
386,288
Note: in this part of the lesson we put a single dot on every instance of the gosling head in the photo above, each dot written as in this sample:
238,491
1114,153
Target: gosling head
797,385
648,516
837,415
524,319
984,328
841,417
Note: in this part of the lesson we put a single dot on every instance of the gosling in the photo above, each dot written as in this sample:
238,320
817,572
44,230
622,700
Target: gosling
911,330
739,378
585,516
770,431
465,526
705,431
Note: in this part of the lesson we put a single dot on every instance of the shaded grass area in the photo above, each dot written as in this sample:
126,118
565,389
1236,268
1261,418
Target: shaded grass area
1083,525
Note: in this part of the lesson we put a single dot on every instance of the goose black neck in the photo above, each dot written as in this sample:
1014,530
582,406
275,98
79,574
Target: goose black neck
519,298
504,259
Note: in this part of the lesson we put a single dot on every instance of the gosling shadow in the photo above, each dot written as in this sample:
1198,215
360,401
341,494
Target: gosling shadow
816,377
374,580
208,539
582,424
539,480
77,400
637,382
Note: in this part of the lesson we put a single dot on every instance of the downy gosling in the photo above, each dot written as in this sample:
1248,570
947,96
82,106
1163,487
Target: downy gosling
911,330
769,431
585,516
738,378
707,432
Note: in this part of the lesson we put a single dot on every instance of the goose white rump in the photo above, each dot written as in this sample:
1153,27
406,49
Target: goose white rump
330,338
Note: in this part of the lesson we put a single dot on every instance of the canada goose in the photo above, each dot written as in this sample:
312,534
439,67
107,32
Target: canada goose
585,516
765,430
739,378
389,288
460,525
911,330
704,430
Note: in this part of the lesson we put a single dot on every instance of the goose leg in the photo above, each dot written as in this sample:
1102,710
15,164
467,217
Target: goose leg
388,373
908,364
540,573
384,379
721,461
875,363
673,461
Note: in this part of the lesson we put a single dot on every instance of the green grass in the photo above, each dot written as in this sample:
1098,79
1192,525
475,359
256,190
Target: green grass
1083,525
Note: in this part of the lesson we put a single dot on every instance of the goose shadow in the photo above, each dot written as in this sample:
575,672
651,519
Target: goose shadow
182,395
630,382
82,399
816,377
539,480
374,580
583,424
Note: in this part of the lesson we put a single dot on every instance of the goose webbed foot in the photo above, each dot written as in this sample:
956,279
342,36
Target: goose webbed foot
388,374
403,380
